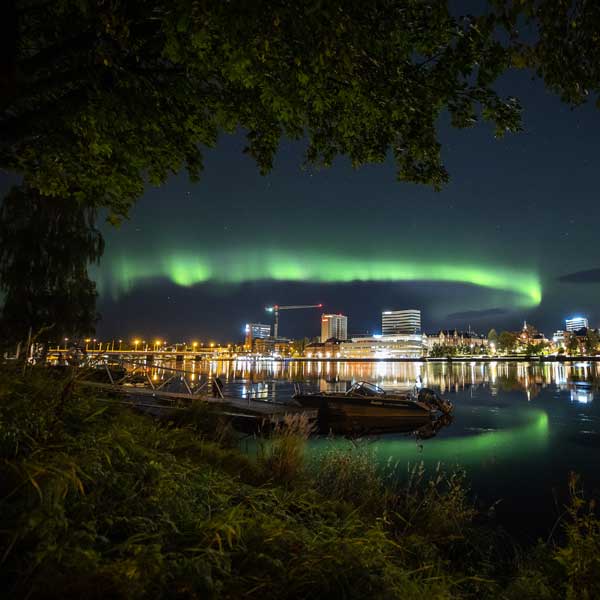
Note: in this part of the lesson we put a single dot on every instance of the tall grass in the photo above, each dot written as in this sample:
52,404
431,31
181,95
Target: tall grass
282,454
350,474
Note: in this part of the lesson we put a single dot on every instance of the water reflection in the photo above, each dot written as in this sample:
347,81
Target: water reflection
258,377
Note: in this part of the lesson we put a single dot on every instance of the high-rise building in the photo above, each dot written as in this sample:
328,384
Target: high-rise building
256,331
334,326
401,321
576,323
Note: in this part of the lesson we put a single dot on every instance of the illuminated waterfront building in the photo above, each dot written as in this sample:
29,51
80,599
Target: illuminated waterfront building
576,323
272,347
455,338
256,331
384,346
334,326
401,322
328,349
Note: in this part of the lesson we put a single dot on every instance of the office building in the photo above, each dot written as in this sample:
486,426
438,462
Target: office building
406,322
334,326
383,346
256,331
576,323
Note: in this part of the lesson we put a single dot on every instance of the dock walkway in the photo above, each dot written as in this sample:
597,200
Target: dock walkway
272,411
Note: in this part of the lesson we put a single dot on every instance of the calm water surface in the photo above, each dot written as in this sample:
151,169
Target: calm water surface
519,428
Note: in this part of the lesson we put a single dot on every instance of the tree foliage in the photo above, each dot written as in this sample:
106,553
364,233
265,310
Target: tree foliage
100,98
559,42
45,248
591,341
507,341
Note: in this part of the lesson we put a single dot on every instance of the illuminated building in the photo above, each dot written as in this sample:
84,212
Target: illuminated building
327,349
401,321
455,338
334,326
558,339
256,331
576,323
383,346
271,346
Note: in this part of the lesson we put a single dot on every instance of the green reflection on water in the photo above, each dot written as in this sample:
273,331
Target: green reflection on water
501,445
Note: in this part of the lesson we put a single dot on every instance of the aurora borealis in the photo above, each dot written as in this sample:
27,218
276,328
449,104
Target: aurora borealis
188,270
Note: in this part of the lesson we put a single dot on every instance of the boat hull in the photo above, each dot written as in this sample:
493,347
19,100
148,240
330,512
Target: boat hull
366,409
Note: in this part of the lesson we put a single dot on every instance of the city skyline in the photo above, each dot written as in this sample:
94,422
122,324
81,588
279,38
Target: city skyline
255,330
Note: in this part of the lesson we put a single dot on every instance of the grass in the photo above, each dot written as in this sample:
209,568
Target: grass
98,501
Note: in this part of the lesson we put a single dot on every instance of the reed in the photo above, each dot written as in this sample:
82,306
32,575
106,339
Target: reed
282,454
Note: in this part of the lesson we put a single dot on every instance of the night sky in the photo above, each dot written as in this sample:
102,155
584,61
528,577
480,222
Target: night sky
499,244
513,236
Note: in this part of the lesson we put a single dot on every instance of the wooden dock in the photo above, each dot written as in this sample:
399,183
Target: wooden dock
227,405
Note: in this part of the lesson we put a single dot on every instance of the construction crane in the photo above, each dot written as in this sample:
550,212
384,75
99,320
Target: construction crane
276,308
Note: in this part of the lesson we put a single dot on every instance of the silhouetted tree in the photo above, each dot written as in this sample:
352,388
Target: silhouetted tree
100,97
591,341
572,344
507,341
46,245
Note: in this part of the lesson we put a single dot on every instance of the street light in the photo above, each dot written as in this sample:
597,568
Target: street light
135,344
120,344
66,340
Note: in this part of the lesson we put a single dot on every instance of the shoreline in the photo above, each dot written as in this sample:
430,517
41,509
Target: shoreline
424,359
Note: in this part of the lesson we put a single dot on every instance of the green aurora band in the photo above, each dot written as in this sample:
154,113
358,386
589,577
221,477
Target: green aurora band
120,275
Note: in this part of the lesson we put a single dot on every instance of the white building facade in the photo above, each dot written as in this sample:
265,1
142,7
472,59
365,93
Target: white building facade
576,323
384,346
406,322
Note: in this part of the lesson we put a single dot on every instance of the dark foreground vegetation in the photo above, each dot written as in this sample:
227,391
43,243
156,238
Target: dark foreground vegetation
100,502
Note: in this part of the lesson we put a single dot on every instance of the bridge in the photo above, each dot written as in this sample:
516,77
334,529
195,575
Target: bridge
202,354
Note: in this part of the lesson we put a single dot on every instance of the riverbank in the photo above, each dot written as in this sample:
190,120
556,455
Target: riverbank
451,359
149,357
100,501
